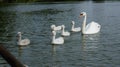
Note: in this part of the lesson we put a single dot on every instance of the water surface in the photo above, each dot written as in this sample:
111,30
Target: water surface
34,21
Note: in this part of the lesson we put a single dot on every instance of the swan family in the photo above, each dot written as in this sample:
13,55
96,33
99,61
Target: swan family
90,28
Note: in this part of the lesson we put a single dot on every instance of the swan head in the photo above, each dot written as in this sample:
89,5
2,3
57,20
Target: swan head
63,26
19,33
52,26
83,14
73,22
54,33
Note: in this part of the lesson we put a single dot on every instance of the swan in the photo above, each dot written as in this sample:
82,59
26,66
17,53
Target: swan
59,40
90,28
73,29
56,28
22,42
65,33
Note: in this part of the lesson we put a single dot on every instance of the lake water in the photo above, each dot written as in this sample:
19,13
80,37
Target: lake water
34,21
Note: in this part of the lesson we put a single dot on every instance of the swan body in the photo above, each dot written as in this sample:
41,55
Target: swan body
90,28
65,33
22,42
59,40
73,29
56,28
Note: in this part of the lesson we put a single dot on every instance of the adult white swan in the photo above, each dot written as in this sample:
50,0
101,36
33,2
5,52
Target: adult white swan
22,42
64,33
90,28
59,40
73,29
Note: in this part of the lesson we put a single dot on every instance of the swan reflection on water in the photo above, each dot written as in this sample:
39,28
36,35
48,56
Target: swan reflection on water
55,56
90,48
53,50
90,42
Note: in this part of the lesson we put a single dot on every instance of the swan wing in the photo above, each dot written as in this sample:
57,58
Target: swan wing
66,33
92,27
59,40
76,29
24,42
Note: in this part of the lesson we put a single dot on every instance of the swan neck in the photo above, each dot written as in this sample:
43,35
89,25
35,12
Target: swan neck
62,30
72,26
20,37
53,38
84,24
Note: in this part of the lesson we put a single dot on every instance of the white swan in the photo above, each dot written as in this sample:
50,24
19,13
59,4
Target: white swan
73,29
91,28
55,28
65,33
22,42
55,40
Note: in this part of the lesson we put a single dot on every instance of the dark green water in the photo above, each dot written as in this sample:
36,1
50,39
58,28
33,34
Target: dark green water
34,20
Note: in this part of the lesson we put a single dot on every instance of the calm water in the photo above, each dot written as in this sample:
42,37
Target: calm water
34,21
